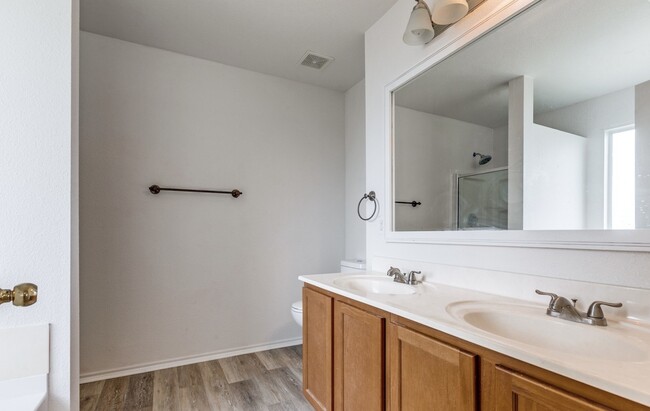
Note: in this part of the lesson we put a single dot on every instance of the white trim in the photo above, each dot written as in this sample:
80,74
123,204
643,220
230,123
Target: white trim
468,30
177,362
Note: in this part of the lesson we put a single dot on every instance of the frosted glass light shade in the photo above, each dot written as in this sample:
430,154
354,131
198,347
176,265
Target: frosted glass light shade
447,12
419,29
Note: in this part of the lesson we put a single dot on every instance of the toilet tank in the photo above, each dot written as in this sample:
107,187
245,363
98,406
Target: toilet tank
353,266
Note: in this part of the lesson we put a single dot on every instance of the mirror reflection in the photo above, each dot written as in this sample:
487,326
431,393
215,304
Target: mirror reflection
542,124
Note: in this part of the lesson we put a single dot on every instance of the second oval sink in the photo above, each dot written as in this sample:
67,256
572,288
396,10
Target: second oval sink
531,326
373,285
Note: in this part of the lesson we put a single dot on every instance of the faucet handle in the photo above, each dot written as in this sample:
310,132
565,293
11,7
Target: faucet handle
596,312
554,298
411,277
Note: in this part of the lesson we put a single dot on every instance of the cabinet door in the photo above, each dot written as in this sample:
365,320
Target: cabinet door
359,353
426,374
519,392
317,349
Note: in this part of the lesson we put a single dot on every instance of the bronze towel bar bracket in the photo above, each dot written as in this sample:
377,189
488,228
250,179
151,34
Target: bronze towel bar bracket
156,189
412,203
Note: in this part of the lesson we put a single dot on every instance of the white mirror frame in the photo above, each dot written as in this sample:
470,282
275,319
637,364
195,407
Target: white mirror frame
614,240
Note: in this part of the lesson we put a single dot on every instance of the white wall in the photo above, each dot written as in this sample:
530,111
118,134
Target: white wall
36,175
549,167
182,275
520,121
642,153
429,150
387,58
355,170
500,158
555,181
591,119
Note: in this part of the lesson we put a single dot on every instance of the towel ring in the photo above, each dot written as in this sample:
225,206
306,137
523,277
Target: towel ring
372,197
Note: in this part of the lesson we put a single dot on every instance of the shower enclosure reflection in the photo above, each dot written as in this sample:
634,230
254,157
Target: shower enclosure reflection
482,200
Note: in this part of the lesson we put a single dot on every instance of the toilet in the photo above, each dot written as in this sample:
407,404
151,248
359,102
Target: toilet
347,266
353,266
296,312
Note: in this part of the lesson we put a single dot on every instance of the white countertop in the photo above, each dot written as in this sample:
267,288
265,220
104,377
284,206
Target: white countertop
433,305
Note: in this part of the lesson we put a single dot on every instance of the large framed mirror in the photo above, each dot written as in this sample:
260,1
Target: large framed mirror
536,132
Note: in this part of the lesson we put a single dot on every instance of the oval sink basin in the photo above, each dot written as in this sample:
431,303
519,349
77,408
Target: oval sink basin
531,326
373,285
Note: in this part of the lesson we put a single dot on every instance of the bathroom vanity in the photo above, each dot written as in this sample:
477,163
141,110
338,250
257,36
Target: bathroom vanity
499,156
432,346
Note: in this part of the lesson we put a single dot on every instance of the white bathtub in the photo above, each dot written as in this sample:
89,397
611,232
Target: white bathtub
24,394
25,366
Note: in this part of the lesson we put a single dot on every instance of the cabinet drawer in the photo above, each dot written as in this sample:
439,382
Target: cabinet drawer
516,391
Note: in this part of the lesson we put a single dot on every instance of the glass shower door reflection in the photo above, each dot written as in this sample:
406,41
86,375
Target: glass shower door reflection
483,200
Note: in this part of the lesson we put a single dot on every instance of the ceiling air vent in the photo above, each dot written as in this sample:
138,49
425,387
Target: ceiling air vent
315,61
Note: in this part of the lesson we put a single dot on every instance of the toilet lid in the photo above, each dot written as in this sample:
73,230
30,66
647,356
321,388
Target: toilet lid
297,306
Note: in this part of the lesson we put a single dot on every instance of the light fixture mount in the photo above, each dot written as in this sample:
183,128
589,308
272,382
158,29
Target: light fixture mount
443,14
446,12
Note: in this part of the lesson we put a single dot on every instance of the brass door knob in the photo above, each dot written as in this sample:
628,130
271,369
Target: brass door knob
22,295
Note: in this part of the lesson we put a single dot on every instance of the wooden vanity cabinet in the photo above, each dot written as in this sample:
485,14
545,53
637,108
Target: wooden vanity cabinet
427,374
357,357
344,353
317,375
505,383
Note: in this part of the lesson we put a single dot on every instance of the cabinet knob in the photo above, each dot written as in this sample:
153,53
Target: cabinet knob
23,295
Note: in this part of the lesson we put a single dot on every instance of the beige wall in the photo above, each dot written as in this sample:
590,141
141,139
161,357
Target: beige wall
175,276
355,170
429,151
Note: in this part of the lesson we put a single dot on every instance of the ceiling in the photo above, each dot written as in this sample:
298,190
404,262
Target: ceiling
269,37
574,50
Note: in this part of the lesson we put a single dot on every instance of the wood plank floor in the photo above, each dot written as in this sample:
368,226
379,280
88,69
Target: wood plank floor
268,380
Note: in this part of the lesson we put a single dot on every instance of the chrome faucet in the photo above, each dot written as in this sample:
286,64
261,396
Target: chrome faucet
561,307
411,279
398,277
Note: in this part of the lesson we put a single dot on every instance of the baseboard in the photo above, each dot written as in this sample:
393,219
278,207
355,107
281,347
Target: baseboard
177,362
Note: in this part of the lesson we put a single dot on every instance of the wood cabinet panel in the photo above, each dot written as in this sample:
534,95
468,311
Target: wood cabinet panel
359,352
317,349
489,360
516,391
427,374
351,364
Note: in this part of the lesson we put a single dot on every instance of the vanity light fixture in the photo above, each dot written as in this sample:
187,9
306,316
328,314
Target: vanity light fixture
446,12
419,29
